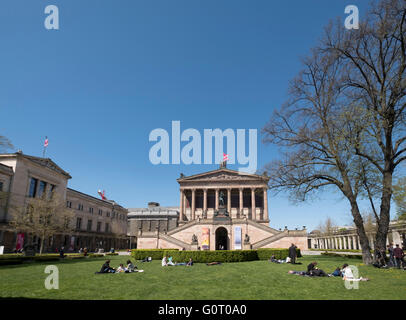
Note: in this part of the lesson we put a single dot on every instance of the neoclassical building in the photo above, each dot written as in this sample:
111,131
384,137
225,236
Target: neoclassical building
220,209
96,223
345,238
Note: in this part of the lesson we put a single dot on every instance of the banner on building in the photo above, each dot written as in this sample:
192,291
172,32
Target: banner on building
206,239
72,243
237,238
20,241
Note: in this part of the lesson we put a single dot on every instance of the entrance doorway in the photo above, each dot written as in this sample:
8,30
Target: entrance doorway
221,239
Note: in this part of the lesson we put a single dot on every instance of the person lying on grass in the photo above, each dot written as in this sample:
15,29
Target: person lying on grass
212,263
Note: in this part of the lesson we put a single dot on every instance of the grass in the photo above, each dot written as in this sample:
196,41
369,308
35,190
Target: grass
259,280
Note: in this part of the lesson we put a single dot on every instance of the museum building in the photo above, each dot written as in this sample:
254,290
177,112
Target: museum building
96,224
220,209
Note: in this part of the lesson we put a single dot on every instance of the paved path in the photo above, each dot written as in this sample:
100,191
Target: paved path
317,253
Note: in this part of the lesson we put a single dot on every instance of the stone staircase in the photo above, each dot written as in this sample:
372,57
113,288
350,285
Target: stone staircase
269,240
175,241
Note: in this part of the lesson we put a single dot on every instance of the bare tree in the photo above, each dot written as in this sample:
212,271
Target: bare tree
374,76
315,130
327,227
5,143
344,125
43,218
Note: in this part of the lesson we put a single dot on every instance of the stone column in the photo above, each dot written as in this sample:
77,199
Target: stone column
335,243
354,242
265,213
253,208
229,201
217,200
193,214
181,208
241,204
205,201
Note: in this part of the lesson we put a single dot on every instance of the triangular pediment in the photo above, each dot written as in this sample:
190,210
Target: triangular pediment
48,163
222,175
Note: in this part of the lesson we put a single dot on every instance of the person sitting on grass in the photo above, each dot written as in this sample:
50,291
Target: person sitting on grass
190,263
170,262
106,268
273,259
130,266
337,273
120,268
349,276
312,270
165,261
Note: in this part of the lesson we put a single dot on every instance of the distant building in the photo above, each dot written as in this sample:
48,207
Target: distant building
99,223
347,237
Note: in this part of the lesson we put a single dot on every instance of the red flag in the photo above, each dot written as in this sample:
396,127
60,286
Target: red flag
225,157
46,142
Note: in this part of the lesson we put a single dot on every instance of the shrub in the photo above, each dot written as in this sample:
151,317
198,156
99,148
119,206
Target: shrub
155,254
349,256
266,253
95,255
112,254
211,256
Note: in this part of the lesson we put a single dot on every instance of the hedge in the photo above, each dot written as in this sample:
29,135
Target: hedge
155,254
211,256
350,256
266,253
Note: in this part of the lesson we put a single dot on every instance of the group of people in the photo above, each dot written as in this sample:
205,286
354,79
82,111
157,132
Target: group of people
291,258
106,268
396,257
167,261
313,271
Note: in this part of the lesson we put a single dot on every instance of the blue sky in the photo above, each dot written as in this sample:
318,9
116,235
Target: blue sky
116,70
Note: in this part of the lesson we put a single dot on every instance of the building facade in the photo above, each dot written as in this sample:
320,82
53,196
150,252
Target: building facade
221,209
97,223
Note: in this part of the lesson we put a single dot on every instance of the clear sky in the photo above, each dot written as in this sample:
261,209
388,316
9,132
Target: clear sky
116,70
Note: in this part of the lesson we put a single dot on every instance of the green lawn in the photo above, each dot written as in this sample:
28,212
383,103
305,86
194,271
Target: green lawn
246,280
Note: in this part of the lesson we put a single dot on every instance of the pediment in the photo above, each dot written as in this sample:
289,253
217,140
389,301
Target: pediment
222,175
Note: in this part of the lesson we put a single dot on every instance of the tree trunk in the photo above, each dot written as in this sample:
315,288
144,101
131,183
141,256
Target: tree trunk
363,239
384,216
42,245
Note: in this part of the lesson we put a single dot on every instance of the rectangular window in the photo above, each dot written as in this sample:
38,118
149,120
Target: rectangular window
107,214
89,225
42,187
69,204
106,228
80,207
33,188
1,186
78,223
99,224
100,212
91,210
51,191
